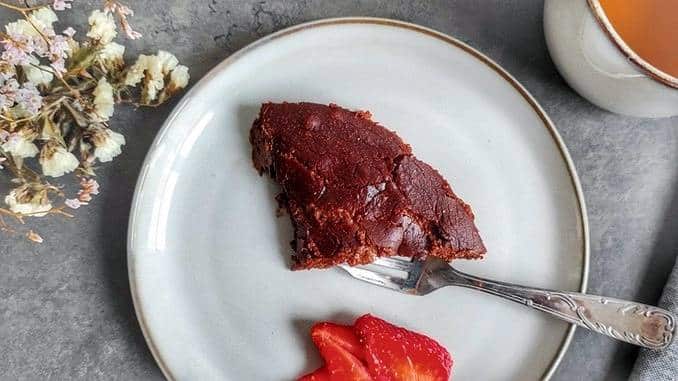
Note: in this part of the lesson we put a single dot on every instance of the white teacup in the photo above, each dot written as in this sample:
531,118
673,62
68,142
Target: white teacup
597,63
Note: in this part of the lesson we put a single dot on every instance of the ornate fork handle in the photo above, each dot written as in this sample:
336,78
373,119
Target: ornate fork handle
634,323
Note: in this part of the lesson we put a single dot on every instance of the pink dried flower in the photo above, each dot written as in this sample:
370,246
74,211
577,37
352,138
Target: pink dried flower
8,92
59,120
110,6
59,66
59,47
84,196
132,34
28,97
122,11
16,53
88,187
73,203
60,5
40,47
25,37
58,52
114,6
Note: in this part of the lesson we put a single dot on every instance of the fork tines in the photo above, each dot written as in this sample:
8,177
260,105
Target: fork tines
392,272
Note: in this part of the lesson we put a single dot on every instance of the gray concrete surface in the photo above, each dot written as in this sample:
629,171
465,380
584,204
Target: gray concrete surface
65,308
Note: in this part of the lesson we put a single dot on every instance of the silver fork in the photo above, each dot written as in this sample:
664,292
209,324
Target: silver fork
634,323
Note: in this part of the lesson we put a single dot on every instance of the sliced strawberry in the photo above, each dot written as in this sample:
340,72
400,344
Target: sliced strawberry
341,364
342,335
320,374
396,354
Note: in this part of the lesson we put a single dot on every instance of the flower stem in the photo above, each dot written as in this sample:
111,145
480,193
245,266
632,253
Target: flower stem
36,116
11,214
20,9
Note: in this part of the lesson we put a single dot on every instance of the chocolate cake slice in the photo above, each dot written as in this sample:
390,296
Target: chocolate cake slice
355,191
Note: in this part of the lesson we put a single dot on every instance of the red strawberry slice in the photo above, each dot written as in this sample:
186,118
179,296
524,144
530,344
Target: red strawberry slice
320,374
341,364
342,352
342,335
396,354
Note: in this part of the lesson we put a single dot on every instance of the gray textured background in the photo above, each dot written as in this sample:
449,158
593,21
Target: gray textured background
65,308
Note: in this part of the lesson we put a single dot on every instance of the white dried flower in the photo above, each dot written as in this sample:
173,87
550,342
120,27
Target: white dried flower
155,78
107,144
43,19
21,201
136,72
19,146
56,161
179,77
41,75
167,61
70,32
154,65
112,53
151,90
21,29
103,99
102,27
18,112
152,69
33,56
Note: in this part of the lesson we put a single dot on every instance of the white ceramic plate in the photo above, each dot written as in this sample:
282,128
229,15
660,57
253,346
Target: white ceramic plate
208,258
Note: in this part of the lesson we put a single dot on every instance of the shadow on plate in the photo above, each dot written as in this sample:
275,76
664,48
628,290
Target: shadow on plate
246,116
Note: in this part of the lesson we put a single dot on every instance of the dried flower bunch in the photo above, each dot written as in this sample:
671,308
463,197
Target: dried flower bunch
57,95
